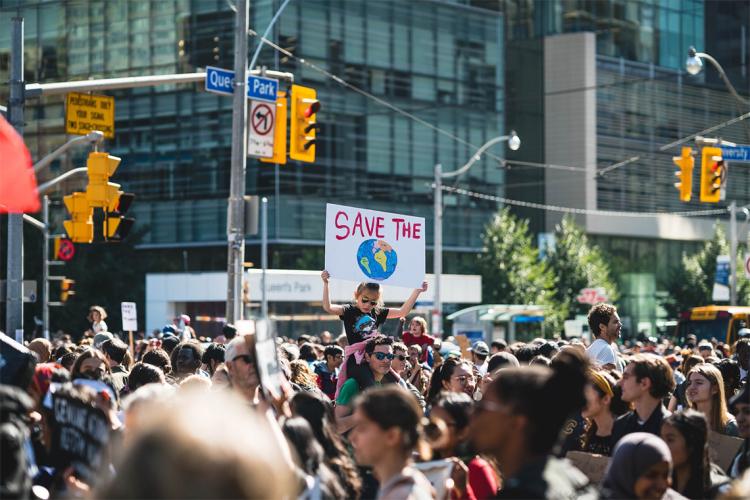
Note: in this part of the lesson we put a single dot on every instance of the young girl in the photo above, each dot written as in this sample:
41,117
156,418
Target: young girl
603,405
362,318
417,334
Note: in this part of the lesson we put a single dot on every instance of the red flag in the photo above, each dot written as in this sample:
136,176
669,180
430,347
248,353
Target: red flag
18,191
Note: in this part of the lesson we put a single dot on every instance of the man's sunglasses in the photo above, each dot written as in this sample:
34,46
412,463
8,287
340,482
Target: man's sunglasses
401,357
248,359
380,356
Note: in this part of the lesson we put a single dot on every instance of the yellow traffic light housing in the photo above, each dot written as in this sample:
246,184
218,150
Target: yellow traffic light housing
712,174
100,192
686,163
279,135
303,129
66,289
80,227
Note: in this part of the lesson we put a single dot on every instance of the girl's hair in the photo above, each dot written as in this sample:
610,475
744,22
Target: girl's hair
719,416
88,354
391,407
302,374
730,372
319,414
443,373
369,287
143,374
605,385
545,396
422,323
694,429
689,362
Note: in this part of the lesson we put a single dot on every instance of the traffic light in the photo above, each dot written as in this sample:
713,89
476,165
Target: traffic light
116,225
712,174
80,227
107,196
100,192
279,134
305,107
66,289
685,175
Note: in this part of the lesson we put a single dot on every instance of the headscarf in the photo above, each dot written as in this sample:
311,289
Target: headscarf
632,457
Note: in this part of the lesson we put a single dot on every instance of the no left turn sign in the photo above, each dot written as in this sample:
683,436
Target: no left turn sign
262,122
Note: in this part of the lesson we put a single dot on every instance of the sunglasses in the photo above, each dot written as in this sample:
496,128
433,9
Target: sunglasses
366,301
380,356
401,357
248,359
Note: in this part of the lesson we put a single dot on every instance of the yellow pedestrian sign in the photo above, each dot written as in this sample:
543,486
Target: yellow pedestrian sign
85,112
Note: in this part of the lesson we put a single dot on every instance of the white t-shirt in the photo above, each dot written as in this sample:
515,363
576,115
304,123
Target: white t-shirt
603,353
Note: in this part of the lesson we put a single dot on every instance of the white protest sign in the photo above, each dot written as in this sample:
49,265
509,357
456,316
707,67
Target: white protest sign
129,317
261,125
367,245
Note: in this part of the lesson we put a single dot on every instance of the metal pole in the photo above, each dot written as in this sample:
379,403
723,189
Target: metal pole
264,257
733,253
14,295
235,208
437,312
45,267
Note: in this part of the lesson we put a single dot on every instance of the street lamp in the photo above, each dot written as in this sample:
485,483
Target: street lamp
694,65
514,142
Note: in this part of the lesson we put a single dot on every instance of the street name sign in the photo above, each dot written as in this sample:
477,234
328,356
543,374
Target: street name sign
740,153
261,124
221,81
85,113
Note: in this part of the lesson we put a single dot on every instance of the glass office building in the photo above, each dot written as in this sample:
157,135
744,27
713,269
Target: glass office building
440,62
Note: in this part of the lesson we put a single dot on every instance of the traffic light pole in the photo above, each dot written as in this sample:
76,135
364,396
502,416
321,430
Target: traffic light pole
14,295
45,267
236,205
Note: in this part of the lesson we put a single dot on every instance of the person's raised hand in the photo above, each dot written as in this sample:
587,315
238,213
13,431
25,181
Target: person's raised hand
325,275
424,287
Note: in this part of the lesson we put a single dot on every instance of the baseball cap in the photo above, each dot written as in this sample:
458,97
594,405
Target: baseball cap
744,332
449,348
102,337
480,347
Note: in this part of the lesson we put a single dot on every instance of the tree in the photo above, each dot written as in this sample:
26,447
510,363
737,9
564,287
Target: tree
577,264
691,284
511,270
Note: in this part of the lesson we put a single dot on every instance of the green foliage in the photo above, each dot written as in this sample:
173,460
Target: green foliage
691,284
511,270
576,264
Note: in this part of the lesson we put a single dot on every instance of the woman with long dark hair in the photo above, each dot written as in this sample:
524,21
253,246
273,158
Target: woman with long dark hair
448,435
693,474
319,414
454,375
518,423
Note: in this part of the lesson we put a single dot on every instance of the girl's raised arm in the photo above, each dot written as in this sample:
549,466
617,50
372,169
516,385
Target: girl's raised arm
327,306
409,304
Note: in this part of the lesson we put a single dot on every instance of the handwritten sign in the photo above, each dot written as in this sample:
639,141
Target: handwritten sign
129,317
79,429
84,113
367,245
438,473
592,465
722,449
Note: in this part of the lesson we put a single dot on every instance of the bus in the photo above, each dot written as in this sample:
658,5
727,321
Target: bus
719,322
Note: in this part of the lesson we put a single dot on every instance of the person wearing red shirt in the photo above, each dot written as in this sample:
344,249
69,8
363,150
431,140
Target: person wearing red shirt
417,334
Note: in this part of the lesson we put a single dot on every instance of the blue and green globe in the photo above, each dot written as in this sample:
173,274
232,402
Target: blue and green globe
377,259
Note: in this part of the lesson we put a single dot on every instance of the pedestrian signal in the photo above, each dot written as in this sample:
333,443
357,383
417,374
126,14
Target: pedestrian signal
685,175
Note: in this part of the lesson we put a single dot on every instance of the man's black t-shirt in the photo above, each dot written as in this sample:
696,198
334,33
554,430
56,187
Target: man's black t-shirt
358,325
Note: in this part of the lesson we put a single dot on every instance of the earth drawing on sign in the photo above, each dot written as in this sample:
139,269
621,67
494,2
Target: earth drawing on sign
377,259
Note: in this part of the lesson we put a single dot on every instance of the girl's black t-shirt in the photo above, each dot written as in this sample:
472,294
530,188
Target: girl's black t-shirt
358,325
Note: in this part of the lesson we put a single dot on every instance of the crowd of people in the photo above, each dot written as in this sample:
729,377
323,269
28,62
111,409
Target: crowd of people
368,415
